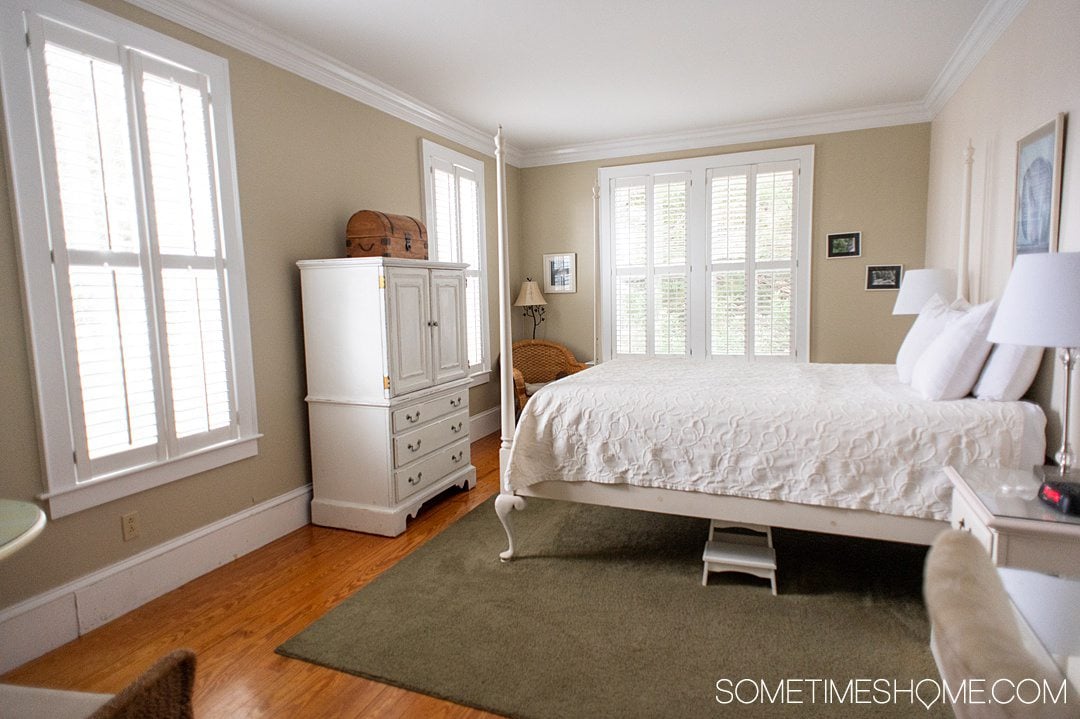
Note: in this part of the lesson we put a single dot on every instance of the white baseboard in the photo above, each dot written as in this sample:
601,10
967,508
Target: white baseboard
42,623
484,423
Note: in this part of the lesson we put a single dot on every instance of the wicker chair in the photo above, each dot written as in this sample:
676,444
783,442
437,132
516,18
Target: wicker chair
540,362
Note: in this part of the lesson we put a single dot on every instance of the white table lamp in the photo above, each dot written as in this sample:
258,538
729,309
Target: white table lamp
1041,308
918,286
533,301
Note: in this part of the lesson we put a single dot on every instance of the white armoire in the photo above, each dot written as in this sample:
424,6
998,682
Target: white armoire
388,388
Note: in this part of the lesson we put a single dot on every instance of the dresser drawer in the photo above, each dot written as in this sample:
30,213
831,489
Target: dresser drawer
421,412
423,473
418,443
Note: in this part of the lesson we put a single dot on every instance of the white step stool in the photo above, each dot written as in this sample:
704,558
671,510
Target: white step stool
749,551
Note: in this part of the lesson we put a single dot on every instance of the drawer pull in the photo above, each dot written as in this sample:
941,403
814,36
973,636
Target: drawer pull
457,457
413,417
413,448
455,402
456,428
416,480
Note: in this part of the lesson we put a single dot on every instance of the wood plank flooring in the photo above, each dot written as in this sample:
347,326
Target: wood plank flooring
234,618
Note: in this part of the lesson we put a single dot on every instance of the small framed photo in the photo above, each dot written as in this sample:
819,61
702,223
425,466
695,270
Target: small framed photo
560,272
883,277
844,244
1038,188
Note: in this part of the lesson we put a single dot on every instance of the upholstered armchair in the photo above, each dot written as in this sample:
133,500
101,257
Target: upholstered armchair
537,362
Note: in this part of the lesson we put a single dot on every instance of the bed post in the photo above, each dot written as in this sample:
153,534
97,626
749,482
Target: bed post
596,271
965,226
506,501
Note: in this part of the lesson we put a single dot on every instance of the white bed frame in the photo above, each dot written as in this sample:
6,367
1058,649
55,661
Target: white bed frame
830,520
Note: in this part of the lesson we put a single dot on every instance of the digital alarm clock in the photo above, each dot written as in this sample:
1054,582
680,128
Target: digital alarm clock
1061,495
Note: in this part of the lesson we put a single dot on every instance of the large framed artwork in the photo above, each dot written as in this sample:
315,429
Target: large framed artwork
1038,188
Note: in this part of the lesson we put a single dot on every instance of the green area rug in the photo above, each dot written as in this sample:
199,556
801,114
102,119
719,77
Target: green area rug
603,615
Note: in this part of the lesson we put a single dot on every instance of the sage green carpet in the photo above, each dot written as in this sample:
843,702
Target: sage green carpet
603,615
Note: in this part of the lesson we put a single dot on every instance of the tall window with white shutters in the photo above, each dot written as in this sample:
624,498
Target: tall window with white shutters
454,214
131,251
708,257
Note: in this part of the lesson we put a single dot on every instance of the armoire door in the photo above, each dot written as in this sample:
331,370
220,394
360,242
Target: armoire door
409,329
448,320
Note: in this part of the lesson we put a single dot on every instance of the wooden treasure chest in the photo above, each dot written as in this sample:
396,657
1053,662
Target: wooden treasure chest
378,234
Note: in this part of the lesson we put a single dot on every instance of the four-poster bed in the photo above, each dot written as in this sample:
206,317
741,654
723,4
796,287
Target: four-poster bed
565,449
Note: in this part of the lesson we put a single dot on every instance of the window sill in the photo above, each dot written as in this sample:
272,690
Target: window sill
479,378
91,493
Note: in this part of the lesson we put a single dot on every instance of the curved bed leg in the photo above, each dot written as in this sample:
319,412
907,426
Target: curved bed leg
504,503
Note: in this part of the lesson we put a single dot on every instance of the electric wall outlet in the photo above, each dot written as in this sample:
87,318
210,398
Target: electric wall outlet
129,524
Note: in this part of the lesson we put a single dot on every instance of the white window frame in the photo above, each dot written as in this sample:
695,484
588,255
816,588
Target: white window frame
67,492
430,153
699,169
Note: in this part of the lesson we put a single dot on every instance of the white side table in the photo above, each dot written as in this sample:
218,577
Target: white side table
20,522
1001,508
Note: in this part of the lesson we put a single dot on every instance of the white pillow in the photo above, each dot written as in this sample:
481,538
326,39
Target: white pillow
1008,373
932,319
951,364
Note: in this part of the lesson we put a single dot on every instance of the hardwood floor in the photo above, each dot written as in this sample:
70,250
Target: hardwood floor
234,618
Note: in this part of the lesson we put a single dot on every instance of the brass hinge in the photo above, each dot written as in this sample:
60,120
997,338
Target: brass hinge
382,282
385,382
28,39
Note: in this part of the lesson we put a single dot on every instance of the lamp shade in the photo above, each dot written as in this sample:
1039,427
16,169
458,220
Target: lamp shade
1041,303
529,295
919,286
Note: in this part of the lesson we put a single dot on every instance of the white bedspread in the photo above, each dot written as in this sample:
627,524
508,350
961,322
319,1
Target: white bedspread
839,435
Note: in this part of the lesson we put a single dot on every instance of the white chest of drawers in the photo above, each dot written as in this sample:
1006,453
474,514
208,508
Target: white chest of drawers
388,391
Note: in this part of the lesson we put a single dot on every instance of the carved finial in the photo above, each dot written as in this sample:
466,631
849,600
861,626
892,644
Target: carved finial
498,141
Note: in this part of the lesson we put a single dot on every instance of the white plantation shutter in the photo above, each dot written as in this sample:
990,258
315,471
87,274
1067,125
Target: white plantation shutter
129,166
752,260
454,207
714,233
181,187
652,272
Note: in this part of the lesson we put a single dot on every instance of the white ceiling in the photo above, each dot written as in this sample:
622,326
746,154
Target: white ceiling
563,74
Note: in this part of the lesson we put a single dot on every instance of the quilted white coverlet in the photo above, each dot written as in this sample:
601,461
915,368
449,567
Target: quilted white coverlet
838,435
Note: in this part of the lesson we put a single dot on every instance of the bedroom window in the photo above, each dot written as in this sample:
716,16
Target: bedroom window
708,257
454,215
131,253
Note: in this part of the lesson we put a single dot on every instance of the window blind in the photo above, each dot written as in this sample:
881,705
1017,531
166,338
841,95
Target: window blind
130,251
145,308
455,219
702,256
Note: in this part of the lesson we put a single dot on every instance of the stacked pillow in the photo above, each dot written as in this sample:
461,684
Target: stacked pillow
944,355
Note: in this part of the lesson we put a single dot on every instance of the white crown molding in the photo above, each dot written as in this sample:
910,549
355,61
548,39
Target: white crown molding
861,119
248,35
984,32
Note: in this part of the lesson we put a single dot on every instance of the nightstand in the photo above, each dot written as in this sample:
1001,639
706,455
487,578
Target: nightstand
1000,507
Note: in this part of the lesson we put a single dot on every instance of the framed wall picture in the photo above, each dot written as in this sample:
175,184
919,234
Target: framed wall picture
883,277
560,272
843,244
1038,188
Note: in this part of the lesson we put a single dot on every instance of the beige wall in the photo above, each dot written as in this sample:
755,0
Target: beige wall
307,158
873,181
1028,76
